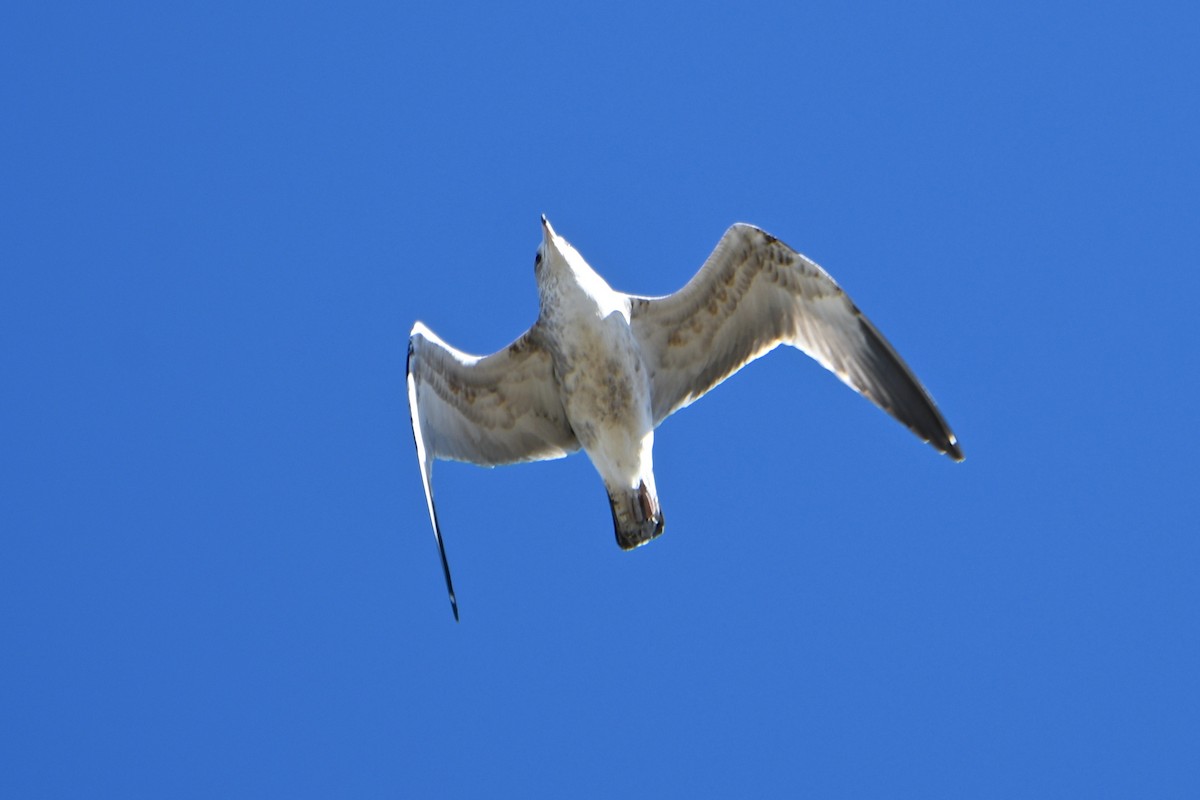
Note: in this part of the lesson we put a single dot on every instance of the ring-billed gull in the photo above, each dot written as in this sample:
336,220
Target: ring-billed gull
601,369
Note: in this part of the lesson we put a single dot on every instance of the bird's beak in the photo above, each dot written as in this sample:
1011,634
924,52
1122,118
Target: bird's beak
547,231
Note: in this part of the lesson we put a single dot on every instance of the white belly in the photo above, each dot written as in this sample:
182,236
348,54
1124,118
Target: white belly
606,394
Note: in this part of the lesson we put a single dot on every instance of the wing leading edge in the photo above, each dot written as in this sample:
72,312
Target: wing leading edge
753,294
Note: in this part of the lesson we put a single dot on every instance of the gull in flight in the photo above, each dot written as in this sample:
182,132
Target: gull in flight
600,370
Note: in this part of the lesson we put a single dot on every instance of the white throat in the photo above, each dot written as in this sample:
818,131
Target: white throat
569,285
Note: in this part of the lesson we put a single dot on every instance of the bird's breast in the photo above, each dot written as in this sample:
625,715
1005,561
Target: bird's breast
603,381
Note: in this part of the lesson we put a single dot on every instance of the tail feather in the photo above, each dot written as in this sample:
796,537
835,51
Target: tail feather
637,517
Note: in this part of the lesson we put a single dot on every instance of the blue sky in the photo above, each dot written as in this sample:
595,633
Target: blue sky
219,222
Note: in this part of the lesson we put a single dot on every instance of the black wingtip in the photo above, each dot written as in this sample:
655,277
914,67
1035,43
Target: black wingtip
946,444
446,572
449,583
437,532
899,393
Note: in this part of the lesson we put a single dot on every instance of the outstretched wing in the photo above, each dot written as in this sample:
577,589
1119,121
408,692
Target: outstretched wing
753,294
498,409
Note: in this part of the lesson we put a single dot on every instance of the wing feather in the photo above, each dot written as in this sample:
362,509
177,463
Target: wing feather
753,294
499,409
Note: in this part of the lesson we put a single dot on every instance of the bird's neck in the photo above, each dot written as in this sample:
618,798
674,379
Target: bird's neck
577,292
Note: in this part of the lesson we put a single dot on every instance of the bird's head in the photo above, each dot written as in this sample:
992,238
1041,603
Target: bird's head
555,255
558,267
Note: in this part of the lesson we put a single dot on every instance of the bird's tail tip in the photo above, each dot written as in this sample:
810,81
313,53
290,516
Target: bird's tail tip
637,517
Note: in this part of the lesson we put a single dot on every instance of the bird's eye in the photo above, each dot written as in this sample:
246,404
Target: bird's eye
537,259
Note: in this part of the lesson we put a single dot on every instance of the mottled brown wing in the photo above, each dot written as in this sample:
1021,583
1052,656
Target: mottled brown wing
498,409
753,294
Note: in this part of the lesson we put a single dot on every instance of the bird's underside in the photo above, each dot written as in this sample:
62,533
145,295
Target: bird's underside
751,295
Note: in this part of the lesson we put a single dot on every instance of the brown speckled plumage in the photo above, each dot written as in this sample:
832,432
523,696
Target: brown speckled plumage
601,370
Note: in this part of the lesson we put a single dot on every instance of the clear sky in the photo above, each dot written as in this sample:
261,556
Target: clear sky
220,220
